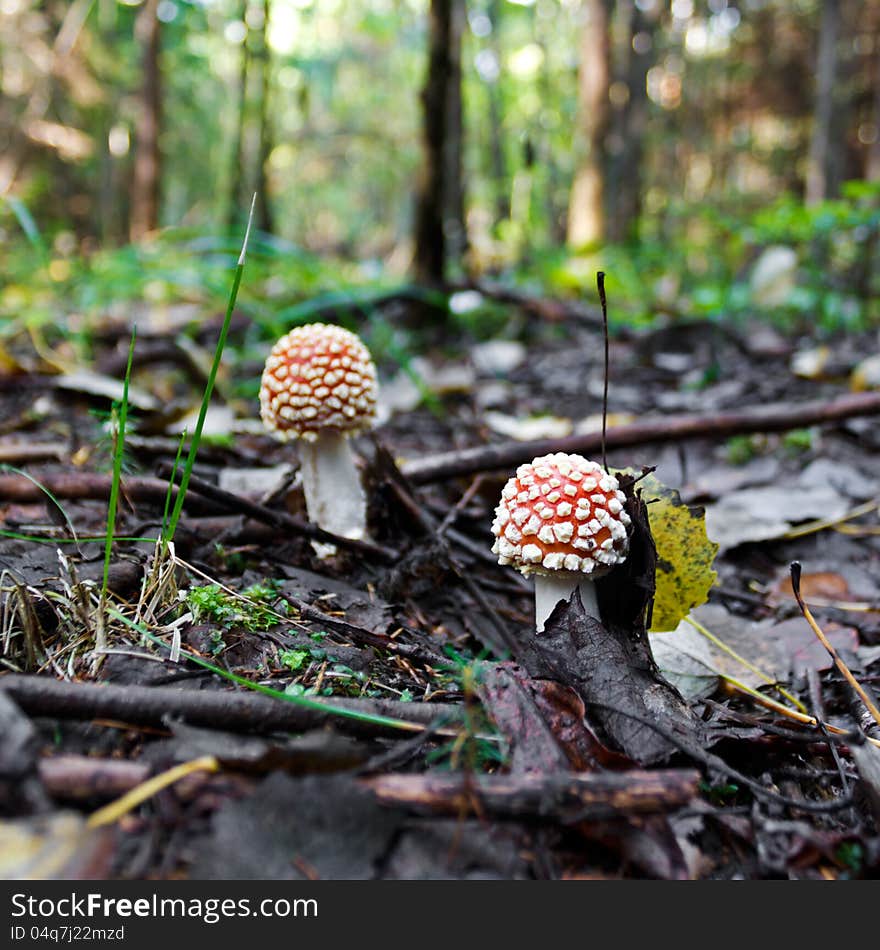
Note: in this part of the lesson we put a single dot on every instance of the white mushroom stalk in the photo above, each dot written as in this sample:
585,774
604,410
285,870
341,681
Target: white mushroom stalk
335,498
551,589
319,387
561,519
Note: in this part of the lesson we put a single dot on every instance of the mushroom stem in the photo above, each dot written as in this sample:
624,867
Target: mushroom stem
550,589
335,498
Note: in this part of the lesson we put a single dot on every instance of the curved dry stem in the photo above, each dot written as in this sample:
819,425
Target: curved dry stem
122,806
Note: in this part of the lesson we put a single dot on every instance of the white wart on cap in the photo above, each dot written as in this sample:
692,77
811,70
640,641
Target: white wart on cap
562,518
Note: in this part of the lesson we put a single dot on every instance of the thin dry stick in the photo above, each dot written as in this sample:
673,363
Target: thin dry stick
857,530
279,519
769,680
600,282
838,662
137,796
459,506
822,523
789,713
819,709
218,709
715,425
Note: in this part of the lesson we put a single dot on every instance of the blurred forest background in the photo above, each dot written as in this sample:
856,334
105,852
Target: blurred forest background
718,158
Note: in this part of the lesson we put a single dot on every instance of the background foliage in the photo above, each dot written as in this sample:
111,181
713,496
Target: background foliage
330,134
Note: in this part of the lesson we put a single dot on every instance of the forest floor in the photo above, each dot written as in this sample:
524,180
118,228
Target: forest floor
467,747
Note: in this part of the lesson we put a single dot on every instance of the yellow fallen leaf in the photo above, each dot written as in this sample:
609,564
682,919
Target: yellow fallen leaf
57,846
684,554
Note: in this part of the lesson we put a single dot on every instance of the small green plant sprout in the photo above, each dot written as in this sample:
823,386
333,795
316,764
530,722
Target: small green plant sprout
477,747
719,793
319,387
293,660
249,610
798,441
741,449
851,855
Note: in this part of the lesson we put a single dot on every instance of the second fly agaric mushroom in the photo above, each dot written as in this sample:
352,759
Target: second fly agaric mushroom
319,386
561,518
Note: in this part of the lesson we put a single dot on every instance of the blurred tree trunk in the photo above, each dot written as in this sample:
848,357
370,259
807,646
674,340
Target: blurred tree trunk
263,212
147,158
496,118
439,225
821,159
623,202
586,218
234,211
253,137
872,164
554,188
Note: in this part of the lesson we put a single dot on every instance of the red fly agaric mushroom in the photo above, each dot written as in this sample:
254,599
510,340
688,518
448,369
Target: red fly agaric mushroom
561,518
319,386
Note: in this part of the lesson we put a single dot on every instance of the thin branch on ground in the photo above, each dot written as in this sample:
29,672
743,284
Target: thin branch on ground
229,501
779,417
564,796
216,709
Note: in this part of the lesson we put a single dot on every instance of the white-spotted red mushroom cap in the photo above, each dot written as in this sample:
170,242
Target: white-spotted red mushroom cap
561,513
318,377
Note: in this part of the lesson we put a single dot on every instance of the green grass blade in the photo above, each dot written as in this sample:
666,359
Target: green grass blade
171,480
46,492
98,538
27,224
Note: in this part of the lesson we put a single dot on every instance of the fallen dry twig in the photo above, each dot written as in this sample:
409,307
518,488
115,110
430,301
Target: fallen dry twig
216,709
20,453
779,417
84,777
845,671
278,519
588,796
86,486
